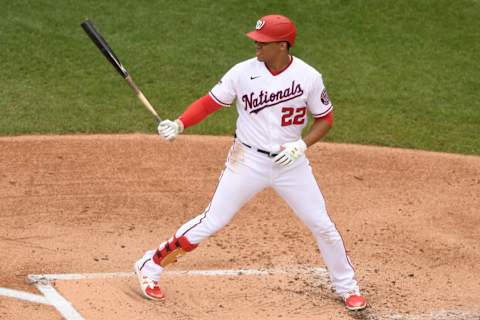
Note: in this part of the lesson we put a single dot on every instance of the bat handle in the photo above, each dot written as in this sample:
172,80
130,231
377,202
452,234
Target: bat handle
142,98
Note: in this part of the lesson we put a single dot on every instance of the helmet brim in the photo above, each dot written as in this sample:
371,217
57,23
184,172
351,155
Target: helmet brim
259,37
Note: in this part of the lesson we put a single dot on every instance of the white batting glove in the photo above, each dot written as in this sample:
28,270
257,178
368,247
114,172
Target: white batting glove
169,130
291,151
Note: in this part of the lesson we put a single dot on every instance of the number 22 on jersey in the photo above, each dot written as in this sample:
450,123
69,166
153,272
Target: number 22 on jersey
292,115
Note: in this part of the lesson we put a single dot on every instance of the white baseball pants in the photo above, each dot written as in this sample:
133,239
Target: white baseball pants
248,172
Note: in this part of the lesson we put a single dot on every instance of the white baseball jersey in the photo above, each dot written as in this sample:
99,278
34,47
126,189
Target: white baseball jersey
272,108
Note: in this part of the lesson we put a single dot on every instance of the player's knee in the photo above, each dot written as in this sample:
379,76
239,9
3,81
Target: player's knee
326,231
170,250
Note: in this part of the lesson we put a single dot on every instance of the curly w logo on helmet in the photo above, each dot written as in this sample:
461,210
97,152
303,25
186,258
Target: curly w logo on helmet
260,24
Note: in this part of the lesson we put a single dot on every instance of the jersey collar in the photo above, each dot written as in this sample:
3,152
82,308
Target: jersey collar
276,73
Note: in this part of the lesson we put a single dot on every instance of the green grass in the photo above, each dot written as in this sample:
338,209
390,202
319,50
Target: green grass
400,73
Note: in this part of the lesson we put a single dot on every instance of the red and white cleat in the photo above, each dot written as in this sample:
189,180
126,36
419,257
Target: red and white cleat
148,285
354,301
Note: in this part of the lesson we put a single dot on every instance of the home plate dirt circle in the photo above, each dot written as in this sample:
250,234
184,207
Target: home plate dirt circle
89,206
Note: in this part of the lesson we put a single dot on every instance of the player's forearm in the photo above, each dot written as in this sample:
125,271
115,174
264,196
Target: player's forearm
198,111
318,130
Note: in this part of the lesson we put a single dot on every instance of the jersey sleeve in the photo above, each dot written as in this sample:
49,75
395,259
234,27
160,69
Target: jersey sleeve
318,102
224,91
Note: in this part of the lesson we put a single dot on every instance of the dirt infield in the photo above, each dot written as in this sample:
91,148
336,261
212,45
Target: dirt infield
93,204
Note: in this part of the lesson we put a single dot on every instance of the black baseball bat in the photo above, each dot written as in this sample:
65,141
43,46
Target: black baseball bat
102,44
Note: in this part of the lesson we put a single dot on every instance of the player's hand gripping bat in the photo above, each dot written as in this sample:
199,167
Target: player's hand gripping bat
95,36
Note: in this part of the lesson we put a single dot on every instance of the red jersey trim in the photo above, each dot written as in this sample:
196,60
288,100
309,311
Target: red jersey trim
328,118
323,114
220,102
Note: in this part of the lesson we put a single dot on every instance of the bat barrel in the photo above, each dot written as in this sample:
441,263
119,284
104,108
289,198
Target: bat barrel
101,44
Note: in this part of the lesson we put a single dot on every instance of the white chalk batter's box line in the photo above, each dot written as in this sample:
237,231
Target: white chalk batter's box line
45,284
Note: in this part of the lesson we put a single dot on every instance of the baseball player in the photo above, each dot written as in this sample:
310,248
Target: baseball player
273,93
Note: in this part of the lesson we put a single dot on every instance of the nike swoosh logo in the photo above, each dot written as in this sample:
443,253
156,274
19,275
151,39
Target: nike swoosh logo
252,78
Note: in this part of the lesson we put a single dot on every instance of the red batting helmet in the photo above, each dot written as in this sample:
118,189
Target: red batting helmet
274,28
